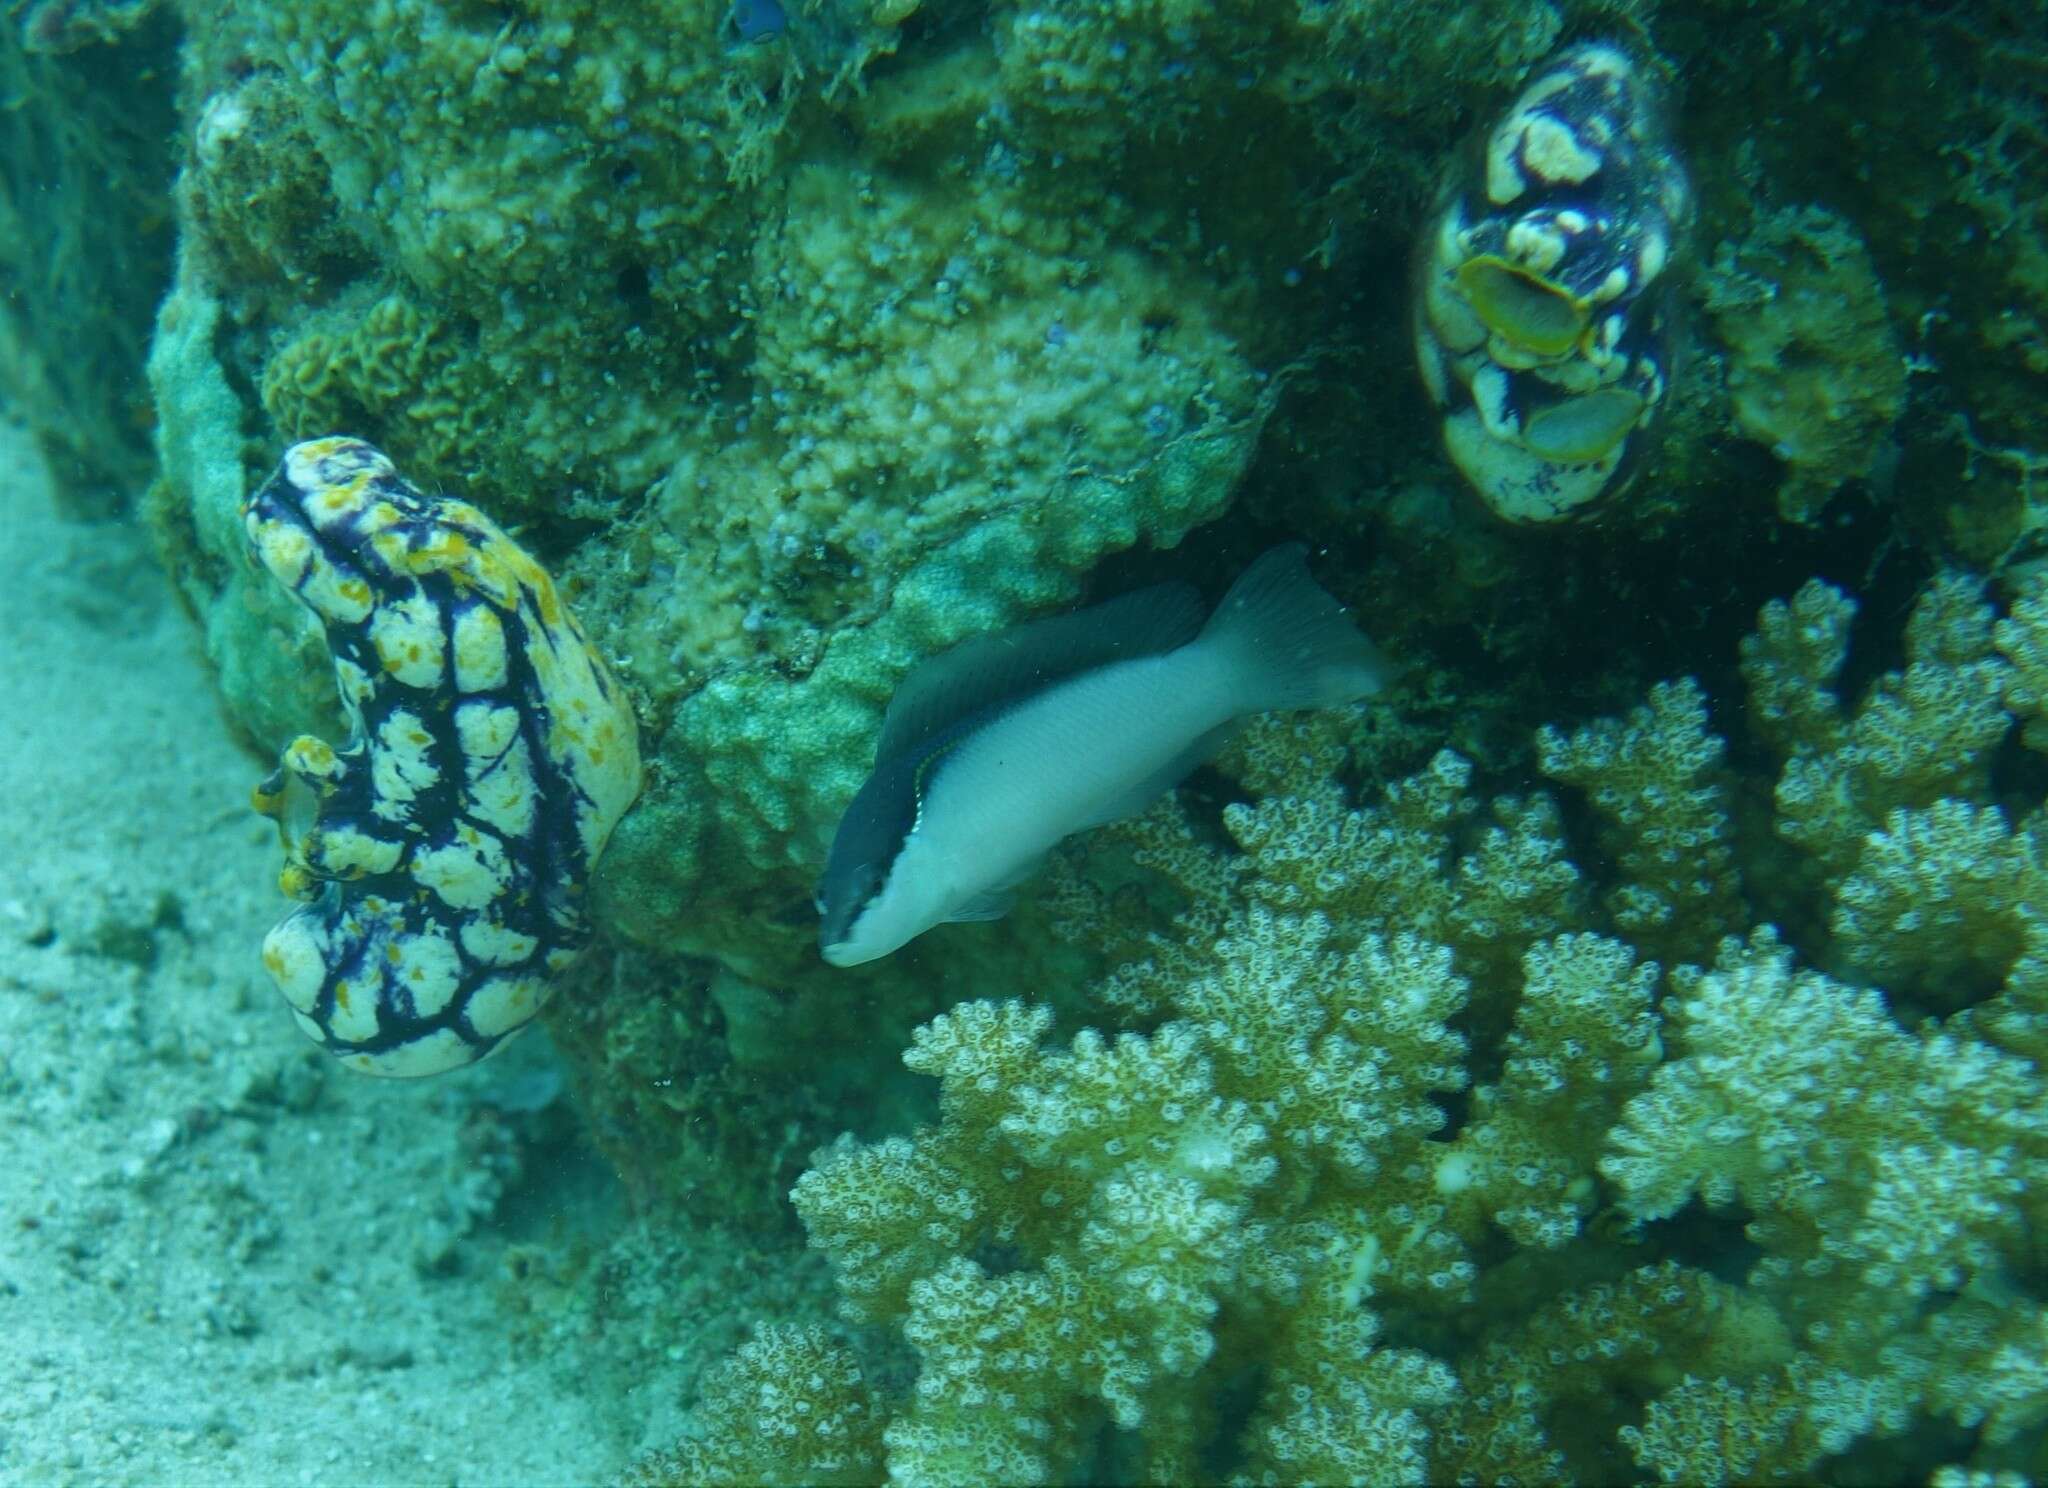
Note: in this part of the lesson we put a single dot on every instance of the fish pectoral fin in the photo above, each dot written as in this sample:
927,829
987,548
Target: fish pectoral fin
998,899
1159,782
990,906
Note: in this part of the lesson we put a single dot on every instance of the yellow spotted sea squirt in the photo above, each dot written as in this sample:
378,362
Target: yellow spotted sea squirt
443,852
1542,322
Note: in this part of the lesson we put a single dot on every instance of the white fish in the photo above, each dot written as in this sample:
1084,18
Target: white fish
995,750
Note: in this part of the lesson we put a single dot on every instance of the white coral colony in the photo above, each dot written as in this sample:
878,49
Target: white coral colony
1539,319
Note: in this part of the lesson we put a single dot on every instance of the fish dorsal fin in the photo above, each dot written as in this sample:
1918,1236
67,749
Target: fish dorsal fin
994,669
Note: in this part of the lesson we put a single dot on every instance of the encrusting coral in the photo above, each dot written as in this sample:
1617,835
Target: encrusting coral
1815,371
1400,1161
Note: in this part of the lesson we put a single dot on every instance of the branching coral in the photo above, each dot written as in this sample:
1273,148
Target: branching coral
1271,1175
1917,735
790,1407
1880,1165
2022,639
1143,1195
1941,902
1654,778
1930,887
1584,1039
1542,1393
1883,1169
1776,1424
1407,863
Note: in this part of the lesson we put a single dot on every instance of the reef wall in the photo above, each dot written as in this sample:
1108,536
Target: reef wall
88,155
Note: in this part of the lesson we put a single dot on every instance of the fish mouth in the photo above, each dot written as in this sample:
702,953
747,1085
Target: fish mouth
835,938
842,953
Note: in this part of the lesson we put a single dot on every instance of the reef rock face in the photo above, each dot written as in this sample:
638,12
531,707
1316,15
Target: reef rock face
803,343
807,340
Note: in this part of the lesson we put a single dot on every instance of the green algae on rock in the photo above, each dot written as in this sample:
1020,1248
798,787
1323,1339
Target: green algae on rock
87,236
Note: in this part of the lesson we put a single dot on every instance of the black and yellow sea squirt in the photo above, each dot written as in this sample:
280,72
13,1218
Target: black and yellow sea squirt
1542,316
443,853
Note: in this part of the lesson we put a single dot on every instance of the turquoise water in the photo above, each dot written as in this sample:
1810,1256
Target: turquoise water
534,454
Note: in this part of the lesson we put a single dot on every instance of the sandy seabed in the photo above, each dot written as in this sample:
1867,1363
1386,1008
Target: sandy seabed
224,1259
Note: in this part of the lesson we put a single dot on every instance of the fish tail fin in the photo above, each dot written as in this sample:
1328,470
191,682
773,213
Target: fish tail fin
1286,643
